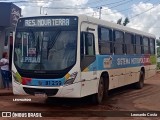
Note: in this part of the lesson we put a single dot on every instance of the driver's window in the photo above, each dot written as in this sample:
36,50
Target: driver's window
87,49
87,44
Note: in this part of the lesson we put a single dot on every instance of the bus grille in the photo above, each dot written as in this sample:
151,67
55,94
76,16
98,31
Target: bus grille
48,92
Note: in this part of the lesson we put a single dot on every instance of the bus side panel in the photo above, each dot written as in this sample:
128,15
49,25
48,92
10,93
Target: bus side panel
132,75
113,82
152,70
70,91
116,77
147,71
89,85
123,76
89,75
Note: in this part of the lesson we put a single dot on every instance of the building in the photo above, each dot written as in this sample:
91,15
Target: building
9,15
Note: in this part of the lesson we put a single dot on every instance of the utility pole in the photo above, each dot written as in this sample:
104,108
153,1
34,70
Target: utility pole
100,12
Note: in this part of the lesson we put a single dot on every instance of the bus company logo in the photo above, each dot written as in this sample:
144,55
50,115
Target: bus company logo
107,62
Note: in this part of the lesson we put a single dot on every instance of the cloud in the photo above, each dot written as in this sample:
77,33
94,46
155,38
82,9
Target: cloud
53,8
148,21
111,15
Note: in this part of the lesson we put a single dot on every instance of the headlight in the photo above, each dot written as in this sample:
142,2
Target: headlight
71,78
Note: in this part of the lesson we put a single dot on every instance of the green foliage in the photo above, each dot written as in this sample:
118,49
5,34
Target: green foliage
119,21
158,65
158,43
126,21
158,52
153,59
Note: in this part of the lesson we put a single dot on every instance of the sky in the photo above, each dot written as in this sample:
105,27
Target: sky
143,14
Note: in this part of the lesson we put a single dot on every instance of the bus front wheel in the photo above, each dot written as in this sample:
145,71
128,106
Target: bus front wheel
98,97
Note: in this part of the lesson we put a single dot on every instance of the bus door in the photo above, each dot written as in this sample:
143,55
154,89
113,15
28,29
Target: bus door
88,59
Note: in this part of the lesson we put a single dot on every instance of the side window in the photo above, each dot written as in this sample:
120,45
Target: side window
152,46
139,45
130,44
119,42
105,34
89,44
146,45
105,40
87,49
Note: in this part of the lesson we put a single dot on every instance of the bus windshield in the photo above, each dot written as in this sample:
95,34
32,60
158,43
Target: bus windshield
43,49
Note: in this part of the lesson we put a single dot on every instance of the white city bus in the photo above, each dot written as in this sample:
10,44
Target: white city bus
74,56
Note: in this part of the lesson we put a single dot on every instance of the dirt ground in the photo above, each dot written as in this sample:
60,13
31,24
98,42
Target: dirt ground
120,103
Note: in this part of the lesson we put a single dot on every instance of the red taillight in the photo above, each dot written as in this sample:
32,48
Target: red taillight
25,81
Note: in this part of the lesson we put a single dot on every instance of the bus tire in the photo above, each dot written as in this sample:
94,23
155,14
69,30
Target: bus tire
98,97
140,83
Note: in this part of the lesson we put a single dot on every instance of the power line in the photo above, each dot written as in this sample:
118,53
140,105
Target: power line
29,1
143,12
112,3
97,1
86,7
114,6
91,7
64,8
68,6
118,11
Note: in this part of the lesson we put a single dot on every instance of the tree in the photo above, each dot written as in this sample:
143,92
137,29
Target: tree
126,21
158,48
119,21
158,52
158,42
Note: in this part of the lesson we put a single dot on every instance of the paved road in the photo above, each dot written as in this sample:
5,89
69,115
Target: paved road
122,99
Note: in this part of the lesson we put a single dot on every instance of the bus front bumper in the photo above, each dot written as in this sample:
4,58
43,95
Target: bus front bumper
70,91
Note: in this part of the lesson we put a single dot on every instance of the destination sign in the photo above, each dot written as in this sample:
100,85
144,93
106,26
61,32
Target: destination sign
47,22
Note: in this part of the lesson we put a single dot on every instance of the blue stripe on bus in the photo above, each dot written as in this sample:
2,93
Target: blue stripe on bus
120,61
47,82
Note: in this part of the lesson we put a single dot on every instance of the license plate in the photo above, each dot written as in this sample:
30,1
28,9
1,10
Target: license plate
40,95
53,83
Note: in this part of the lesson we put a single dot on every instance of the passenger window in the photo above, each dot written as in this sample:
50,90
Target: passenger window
119,42
105,34
146,45
152,46
129,41
139,45
119,37
105,40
